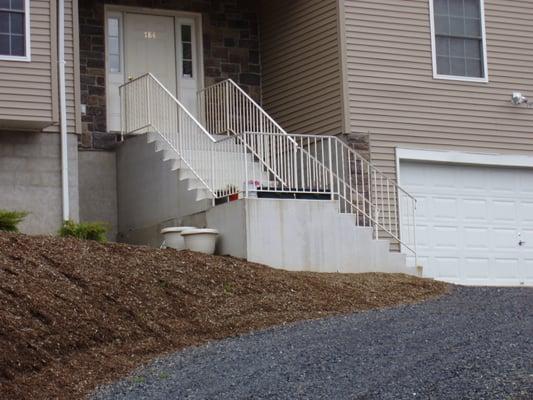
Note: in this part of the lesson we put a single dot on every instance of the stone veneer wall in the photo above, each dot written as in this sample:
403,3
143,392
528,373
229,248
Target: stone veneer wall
231,50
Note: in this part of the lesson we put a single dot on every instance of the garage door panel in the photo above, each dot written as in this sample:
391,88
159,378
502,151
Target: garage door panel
422,231
503,211
473,182
504,269
443,178
525,269
526,235
447,268
444,208
470,220
525,184
504,240
476,239
525,210
445,237
503,184
473,210
422,207
476,268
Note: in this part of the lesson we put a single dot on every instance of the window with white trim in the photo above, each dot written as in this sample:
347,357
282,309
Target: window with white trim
113,44
186,51
13,29
458,39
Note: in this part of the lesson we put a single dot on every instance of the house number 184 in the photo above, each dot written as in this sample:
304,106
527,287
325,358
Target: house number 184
150,35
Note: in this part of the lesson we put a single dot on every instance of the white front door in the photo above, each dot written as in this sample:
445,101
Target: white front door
150,46
164,45
474,224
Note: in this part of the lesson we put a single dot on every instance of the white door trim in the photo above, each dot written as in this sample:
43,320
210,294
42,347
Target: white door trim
119,11
456,157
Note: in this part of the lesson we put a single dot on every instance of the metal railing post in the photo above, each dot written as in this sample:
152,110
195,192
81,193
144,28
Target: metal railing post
376,224
414,232
246,178
122,113
331,179
228,127
148,102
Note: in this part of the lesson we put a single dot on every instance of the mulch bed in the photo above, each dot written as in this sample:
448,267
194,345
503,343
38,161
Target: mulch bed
74,314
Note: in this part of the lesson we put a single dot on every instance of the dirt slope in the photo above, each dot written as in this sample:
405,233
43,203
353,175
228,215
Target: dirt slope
74,314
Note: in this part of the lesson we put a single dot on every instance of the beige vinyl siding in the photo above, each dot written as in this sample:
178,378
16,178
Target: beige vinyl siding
26,87
72,66
392,94
29,90
71,69
301,85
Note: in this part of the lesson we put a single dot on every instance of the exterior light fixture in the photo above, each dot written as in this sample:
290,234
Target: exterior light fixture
518,98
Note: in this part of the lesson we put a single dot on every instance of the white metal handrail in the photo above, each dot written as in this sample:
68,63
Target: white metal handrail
219,164
326,166
147,106
224,108
256,154
362,189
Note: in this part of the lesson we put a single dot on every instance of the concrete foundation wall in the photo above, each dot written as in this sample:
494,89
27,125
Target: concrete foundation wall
230,221
150,195
30,179
300,235
98,189
295,234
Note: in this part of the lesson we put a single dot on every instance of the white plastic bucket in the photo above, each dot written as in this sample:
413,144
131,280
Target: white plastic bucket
173,238
200,240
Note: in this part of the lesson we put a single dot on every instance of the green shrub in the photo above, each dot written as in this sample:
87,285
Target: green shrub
84,230
10,219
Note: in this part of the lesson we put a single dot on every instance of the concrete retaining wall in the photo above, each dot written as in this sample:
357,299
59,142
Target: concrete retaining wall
30,178
98,189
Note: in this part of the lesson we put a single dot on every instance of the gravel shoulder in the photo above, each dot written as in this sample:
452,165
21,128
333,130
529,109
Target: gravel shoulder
474,343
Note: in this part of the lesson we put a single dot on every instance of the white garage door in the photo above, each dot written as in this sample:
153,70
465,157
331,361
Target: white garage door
474,224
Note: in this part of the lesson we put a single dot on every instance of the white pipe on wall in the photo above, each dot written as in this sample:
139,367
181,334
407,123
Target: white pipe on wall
63,111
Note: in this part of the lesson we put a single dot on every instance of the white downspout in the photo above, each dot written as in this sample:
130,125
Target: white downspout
63,111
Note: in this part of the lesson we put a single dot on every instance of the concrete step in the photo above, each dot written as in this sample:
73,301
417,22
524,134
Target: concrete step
162,145
154,137
185,173
173,165
195,184
151,137
232,161
203,194
170,155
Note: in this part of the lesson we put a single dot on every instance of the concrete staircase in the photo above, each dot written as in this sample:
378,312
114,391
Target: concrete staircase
353,200
232,158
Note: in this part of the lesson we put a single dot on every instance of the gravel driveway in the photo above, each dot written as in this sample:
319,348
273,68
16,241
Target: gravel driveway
476,343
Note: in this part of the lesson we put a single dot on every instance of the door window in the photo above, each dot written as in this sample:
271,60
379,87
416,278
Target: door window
186,51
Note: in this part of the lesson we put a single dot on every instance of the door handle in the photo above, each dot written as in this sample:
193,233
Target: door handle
521,243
